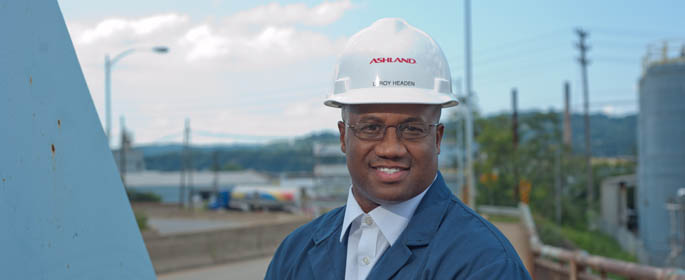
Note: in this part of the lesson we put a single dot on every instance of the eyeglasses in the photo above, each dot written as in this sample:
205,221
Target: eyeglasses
376,131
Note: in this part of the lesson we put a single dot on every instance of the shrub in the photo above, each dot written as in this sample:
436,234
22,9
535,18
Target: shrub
136,196
141,219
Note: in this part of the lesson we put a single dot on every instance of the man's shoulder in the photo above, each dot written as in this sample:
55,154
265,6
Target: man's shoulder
294,247
464,245
308,231
467,230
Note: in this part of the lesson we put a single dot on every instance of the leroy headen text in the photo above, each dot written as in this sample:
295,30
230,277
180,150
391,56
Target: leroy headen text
394,83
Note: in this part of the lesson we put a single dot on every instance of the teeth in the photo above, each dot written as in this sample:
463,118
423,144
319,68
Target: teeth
388,170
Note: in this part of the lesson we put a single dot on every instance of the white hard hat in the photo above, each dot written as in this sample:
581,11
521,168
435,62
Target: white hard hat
392,62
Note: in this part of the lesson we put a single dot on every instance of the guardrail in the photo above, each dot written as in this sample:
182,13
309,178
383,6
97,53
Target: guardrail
557,263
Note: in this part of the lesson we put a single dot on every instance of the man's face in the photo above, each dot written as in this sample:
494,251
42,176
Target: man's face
373,164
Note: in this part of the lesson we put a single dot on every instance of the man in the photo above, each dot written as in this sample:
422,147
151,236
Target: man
400,220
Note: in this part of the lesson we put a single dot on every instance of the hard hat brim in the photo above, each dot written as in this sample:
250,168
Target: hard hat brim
391,96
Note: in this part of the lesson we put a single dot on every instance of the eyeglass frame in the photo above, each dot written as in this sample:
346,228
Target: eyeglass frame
385,129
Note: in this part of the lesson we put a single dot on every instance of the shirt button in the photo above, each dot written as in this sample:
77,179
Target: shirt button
366,260
368,221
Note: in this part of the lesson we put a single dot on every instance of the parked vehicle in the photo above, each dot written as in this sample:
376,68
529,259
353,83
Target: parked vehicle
251,198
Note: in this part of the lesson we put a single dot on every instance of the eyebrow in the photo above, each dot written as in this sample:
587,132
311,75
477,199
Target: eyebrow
412,119
376,119
370,118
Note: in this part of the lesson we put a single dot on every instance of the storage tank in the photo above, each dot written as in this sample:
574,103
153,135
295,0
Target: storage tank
661,154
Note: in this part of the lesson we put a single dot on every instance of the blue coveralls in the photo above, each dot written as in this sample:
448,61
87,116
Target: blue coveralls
444,240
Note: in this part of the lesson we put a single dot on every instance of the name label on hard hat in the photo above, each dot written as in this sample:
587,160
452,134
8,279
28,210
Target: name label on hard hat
393,60
394,83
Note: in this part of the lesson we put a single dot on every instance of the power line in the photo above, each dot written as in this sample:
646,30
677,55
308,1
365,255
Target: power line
496,49
615,102
626,60
613,90
516,69
508,45
621,45
511,57
621,31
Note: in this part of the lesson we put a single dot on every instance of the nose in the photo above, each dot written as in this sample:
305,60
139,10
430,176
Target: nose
390,147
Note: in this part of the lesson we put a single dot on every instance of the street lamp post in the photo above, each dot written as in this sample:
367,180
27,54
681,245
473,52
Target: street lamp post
108,84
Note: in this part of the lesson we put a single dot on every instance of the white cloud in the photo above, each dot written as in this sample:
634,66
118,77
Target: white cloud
262,76
204,43
273,36
277,14
144,26
266,36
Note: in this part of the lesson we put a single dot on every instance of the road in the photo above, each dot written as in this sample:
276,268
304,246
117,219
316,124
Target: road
250,269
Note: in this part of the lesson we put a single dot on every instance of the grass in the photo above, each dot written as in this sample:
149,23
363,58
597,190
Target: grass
141,219
502,219
551,234
597,243
593,242
136,196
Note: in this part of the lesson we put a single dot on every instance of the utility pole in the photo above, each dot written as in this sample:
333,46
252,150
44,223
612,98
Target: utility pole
565,146
469,193
122,151
186,168
557,183
515,139
581,45
108,99
459,138
182,187
189,163
215,167
567,115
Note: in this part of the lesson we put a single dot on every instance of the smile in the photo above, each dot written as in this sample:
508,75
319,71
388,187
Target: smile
392,174
388,170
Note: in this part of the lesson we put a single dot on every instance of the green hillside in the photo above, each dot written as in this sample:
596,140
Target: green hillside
611,137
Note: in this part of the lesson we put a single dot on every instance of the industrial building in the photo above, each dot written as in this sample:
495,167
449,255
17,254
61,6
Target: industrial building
168,184
661,157
619,216
645,212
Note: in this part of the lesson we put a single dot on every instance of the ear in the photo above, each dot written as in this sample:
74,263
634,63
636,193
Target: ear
439,131
341,129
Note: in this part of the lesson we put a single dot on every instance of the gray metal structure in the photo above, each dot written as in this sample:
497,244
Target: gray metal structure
661,152
63,210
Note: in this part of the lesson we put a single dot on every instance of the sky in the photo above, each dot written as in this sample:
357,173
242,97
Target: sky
253,71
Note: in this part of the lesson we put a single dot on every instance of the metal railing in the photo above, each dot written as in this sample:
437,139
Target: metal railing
557,263
667,51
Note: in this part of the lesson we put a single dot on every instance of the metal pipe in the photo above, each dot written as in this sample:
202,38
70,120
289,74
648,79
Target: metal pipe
470,190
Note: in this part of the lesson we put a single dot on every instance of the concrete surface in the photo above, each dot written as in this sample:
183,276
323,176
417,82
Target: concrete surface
167,226
188,250
516,234
244,270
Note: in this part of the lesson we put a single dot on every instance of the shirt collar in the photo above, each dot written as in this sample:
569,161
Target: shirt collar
391,219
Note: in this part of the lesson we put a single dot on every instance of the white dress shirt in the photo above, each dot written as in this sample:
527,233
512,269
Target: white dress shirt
371,233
